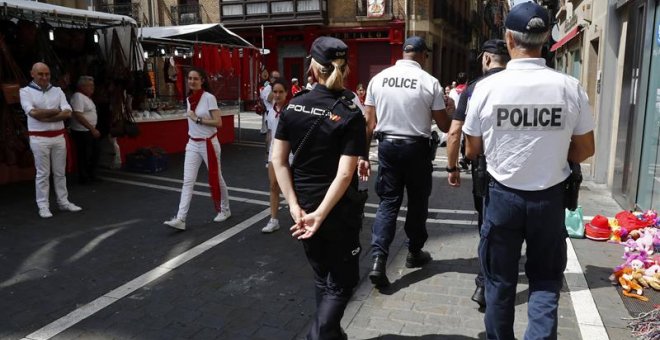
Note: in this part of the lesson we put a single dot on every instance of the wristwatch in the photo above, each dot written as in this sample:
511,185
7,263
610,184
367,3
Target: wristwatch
452,169
199,120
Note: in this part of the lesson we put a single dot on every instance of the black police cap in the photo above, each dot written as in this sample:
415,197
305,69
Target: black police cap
495,46
520,15
326,49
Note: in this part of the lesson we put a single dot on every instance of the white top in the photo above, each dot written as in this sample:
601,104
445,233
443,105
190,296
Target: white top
206,104
52,98
85,105
272,119
404,96
454,95
526,116
264,97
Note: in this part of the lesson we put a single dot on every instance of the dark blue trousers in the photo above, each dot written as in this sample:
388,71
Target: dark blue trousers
403,164
333,254
537,218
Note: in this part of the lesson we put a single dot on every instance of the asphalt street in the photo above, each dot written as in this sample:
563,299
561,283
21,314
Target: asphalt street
114,271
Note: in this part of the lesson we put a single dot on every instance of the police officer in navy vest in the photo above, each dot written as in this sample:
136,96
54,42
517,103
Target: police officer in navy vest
529,121
401,102
326,132
494,57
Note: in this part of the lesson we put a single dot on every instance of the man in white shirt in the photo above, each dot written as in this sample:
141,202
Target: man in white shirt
46,109
83,130
401,102
529,121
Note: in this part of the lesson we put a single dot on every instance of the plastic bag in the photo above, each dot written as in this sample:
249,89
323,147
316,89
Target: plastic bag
574,222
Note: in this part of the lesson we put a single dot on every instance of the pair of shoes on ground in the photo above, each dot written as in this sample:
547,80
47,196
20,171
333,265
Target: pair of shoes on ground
378,276
272,226
44,212
180,224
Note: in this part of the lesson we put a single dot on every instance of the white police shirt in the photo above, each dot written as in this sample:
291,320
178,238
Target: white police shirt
526,116
404,96
52,98
206,104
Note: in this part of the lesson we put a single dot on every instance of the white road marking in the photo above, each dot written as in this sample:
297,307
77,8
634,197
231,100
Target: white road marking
586,314
250,191
65,322
201,193
91,245
432,220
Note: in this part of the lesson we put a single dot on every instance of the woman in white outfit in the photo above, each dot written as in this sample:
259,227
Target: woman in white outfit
203,123
278,89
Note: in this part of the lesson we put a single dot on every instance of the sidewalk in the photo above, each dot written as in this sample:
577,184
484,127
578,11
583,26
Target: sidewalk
434,302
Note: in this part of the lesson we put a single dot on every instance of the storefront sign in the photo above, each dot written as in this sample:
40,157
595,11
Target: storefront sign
376,8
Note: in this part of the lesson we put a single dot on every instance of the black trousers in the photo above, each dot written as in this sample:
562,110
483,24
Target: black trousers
87,150
334,254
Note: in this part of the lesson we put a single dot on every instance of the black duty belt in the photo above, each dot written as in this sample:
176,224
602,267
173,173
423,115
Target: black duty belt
388,136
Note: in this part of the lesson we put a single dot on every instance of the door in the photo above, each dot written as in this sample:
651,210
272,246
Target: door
293,68
624,187
648,196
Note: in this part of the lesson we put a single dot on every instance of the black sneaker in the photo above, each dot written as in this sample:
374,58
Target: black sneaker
417,259
377,274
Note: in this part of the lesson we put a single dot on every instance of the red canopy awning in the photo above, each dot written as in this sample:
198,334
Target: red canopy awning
570,35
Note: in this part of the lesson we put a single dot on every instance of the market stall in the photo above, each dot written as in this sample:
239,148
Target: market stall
169,52
72,42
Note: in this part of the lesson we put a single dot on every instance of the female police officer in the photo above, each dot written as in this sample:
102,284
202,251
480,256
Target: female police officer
326,132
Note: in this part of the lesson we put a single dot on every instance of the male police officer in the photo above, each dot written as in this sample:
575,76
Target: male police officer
494,57
399,106
529,121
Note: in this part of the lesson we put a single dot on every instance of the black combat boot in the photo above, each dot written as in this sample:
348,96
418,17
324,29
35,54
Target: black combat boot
377,273
417,259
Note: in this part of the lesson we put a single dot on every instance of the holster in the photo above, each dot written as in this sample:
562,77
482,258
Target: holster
572,186
480,177
434,142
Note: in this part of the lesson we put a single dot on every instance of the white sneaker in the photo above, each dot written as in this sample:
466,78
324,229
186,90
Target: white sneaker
45,213
222,216
273,225
176,223
70,207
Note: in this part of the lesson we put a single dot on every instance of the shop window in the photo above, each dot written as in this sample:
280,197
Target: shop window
281,7
576,70
232,10
309,5
258,8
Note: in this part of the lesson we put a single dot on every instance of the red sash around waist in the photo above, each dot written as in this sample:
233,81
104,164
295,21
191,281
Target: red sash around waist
54,133
49,133
214,171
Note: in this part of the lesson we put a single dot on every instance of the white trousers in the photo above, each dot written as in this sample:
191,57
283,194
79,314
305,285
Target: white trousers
49,151
195,154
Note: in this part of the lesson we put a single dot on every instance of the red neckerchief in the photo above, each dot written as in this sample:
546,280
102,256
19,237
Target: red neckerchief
277,113
194,98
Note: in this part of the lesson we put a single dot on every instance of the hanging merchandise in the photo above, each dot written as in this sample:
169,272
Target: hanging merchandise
123,123
10,74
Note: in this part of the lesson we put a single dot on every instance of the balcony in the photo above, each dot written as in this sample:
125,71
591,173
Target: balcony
369,10
188,14
132,10
242,13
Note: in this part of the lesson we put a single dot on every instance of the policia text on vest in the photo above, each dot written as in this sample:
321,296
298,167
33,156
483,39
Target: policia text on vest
528,117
